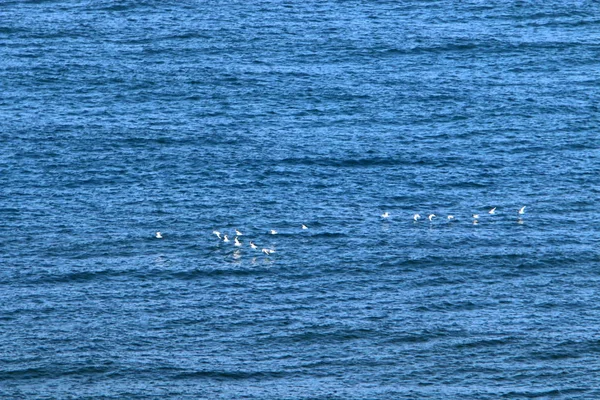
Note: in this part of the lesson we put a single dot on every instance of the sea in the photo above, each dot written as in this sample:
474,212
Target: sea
122,118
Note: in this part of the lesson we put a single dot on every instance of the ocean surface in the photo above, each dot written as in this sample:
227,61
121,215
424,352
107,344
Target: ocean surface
119,119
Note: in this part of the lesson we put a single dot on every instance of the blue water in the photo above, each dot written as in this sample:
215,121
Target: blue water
123,118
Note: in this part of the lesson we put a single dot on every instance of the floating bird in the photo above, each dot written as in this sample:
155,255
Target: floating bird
273,232
158,235
236,241
385,215
304,226
218,234
416,217
268,251
475,222
520,221
450,217
492,211
522,210
225,239
431,216
238,233
475,216
253,245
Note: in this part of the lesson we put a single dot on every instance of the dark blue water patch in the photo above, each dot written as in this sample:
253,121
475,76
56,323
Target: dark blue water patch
532,394
231,375
186,118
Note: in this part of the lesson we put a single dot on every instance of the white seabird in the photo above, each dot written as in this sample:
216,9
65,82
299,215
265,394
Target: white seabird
253,245
218,234
431,216
492,211
475,216
158,235
273,232
450,217
304,226
225,239
416,217
236,241
268,251
522,210
238,233
385,215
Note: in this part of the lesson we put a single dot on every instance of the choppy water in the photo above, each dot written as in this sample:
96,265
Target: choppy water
123,118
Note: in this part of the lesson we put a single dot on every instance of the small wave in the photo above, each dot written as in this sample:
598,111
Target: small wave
450,306
327,335
52,372
79,277
546,393
485,343
358,162
231,375
198,273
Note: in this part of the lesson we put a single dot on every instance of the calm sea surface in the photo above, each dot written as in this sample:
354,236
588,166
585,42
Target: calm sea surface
123,118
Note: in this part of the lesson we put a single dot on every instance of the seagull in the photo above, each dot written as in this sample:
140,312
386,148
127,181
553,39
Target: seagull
273,232
268,251
218,234
450,217
475,222
492,211
385,215
430,217
238,233
304,226
158,235
253,245
237,242
475,216
522,210
225,239
416,217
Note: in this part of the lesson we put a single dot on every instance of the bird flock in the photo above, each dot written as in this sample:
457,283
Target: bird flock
236,240
430,217
253,246
268,251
